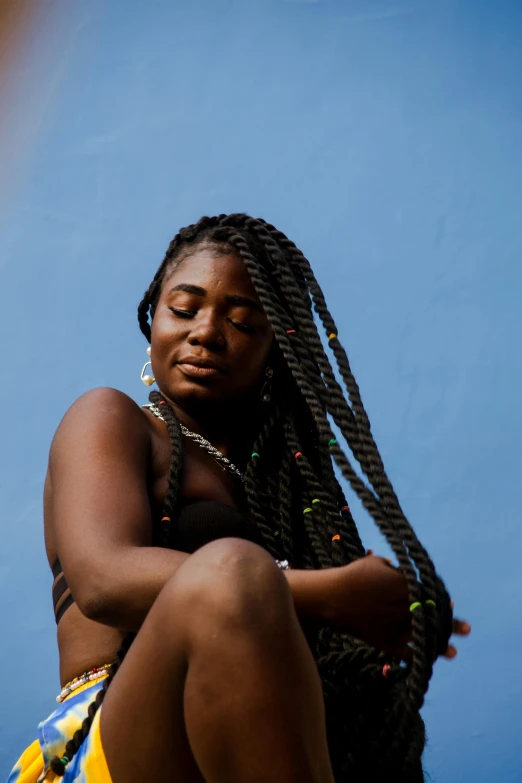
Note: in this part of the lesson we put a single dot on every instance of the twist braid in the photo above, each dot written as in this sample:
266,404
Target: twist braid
360,420
166,525
284,493
368,455
321,506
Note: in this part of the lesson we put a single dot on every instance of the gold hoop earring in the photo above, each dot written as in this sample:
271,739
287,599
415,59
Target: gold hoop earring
148,380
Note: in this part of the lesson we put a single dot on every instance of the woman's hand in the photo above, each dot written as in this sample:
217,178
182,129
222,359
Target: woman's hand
369,598
460,628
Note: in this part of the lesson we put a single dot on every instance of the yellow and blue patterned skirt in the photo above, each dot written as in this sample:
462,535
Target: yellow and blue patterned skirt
87,766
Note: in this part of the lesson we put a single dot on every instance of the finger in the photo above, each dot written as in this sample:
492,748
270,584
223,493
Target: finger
452,604
450,653
461,627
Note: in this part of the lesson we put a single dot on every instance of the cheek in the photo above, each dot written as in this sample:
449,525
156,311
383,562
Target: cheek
252,364
164,331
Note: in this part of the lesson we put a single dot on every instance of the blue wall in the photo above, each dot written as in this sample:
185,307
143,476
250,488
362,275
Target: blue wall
385,139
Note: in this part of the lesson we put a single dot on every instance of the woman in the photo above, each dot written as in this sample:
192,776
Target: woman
203,544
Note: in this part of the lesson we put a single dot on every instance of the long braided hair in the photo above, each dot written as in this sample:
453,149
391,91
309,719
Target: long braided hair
372,701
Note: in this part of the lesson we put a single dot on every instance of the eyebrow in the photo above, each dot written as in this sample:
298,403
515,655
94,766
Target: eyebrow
189,289
231,299
243,301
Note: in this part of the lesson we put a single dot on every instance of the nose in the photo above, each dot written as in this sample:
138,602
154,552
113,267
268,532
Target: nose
206,331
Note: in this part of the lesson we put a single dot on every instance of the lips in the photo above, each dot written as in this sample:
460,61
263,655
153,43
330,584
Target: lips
198,361
198,368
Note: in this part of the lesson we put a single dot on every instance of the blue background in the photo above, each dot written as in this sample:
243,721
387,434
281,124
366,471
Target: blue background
384,138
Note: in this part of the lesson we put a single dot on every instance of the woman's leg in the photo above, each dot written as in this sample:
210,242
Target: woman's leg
220,684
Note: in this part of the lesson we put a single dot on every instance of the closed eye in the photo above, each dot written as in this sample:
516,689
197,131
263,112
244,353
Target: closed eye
242,327
183,313
191,313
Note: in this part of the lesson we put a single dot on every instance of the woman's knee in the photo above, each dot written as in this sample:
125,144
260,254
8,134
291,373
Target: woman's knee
227,583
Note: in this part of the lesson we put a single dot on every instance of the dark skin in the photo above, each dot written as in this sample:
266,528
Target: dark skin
222,626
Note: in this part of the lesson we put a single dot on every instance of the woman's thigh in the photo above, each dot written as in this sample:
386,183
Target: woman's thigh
142,724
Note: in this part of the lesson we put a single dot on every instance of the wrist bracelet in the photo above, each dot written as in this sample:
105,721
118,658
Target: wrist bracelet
284,564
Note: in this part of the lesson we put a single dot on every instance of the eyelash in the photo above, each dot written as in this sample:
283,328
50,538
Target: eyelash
183,313
191,313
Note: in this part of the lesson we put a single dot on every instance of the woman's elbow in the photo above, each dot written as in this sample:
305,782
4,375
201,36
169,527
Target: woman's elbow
94,591
94,602
108,602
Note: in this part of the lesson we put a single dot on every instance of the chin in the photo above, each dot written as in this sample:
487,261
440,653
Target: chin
199,392
197,395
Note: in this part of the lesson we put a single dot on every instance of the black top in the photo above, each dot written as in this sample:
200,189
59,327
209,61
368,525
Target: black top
198,522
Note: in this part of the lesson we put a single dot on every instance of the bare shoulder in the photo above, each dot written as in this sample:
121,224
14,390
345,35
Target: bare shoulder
103,410
106,398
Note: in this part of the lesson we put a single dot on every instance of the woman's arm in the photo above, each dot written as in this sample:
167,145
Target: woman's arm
99,464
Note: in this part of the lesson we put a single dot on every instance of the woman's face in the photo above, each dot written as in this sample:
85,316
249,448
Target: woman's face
210,337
